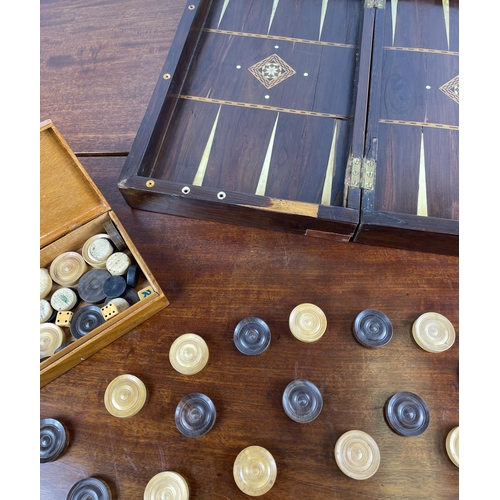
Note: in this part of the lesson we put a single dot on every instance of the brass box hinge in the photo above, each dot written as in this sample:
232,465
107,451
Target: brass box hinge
368,174
361,173
375,4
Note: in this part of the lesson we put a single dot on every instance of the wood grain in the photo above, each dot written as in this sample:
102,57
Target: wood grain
215,275
108,53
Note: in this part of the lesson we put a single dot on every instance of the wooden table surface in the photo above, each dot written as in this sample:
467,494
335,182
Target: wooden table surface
99,64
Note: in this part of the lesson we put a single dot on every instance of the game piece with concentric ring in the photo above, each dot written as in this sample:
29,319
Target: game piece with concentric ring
302,401
188,354
372,328
357,454
167,485
195,415
252,336
90,286
85,320
51,337
307,322
125,396
90,488
452,445
407,414
255,470
67,268
54,439
433,332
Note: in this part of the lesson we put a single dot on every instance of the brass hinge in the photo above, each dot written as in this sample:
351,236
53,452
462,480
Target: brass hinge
368,174
375,4
361,173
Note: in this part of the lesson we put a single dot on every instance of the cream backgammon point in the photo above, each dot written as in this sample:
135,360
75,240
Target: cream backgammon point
254,471
125,396
189,354
357,454
167,485
307,322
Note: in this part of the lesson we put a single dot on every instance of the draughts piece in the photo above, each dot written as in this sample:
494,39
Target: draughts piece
255,471
307,322
167,485
51,337
54,440
372,328
64,299
90,488
45,282
188,354
132,297
252,336
433,332
195,415
96,250
132,275
302,401
117,263
85,320
115,235
64,318
407,414
45,311
90,286
114,286
452,445
67,268
109,311
125,396
357,454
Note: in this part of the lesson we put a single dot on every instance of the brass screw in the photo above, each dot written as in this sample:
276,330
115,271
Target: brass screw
166,76
191,7
150,183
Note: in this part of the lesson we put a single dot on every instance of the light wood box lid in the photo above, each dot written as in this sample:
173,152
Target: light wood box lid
68,196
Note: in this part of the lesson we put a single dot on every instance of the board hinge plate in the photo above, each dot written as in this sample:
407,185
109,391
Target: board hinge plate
375,4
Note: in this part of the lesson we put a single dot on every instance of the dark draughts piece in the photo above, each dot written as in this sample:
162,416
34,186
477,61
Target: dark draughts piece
114,286
372,328
302,401
132,275
407,414
85,320
195,415
54,440
114,235
90,286
131,295
252,336
90,488
61,347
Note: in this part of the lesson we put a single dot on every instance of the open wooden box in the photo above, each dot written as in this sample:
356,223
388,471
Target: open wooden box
334,118
72,209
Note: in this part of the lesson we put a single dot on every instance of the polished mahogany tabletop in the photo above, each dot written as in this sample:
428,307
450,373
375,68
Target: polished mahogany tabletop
99,64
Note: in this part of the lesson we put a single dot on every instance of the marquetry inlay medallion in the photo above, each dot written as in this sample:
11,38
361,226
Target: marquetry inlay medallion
450,88
271,71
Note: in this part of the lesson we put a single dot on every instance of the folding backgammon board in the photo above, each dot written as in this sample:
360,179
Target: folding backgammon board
332,118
